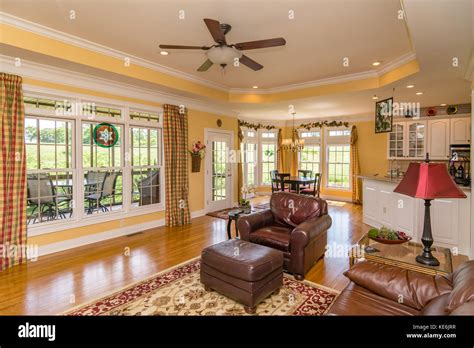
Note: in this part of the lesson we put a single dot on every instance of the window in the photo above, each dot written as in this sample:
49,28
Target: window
338,165
71,179
267,135
249,163
310,158
146,163
50,169
310,134
250,134
339,133
268,162
102,172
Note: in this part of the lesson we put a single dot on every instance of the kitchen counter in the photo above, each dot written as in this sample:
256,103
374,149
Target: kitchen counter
396,180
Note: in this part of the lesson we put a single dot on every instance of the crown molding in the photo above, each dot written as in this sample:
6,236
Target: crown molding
51,33
333,80
39,29
80,80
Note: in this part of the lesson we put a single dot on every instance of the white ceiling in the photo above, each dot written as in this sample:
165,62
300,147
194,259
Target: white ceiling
321,33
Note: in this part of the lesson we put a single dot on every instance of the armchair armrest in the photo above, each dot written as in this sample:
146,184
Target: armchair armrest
308,230
410,288
252,222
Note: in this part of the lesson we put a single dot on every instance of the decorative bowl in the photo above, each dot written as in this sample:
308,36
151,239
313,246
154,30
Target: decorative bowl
390,241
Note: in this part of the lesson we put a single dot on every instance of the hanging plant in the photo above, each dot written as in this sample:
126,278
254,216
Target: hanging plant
321,124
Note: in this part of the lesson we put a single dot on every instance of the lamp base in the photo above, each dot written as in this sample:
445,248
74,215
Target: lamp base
427,259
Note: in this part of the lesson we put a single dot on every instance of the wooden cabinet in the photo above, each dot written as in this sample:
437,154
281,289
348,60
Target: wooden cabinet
411,140
438,139
460,131
416,139
407,140
450,218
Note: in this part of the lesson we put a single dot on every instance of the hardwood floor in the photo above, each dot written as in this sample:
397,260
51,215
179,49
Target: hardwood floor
60,281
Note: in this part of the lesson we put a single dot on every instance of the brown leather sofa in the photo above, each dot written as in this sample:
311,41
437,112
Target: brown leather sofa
377,289
295,224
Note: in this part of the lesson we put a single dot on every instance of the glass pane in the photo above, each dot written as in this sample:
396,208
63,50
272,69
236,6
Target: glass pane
102,191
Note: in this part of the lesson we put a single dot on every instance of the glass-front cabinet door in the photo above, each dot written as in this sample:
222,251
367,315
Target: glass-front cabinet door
416,139
396,141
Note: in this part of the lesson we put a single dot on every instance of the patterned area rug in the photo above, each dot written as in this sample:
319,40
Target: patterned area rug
224,213
178,291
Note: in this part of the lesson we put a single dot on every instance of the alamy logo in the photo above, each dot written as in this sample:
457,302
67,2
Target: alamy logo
34,331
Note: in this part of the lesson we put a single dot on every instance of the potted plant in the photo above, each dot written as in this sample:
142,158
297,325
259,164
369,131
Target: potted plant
197,153
244,203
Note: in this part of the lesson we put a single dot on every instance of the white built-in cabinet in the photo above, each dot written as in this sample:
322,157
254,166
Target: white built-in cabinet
450,218
438,139
412,139
460,131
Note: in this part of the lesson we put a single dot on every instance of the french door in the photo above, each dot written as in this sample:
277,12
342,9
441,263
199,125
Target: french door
218,170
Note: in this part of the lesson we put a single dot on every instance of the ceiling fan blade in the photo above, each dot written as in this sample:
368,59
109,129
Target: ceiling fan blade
179,47
250,63
216,30
251,45
205,66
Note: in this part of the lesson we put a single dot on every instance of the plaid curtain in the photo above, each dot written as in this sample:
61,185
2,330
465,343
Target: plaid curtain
356,184
240,175
12,173
175,136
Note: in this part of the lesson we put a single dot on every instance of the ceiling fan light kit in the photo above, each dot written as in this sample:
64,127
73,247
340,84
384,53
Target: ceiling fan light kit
225,54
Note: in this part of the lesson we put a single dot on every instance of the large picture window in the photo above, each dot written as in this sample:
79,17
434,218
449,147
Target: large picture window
50,169
249,163
70,178
268,164
310,156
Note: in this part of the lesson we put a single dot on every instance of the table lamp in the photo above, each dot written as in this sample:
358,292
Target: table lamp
428,181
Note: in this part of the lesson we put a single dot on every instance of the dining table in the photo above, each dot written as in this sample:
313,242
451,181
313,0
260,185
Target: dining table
295,181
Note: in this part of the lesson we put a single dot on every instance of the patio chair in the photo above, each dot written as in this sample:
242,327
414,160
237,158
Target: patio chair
107,190
148,189
94,181
42,196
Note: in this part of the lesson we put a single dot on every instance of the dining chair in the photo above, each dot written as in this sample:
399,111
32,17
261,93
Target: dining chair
304,173
107,190
275,181
285,186
314,189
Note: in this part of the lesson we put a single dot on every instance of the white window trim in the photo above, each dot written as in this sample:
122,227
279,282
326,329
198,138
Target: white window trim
253,141
79,218
261,142
335,141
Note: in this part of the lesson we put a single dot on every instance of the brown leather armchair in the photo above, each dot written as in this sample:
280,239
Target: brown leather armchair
377,289
295,224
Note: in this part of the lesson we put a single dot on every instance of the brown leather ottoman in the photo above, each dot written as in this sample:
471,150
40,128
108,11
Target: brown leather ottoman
243,271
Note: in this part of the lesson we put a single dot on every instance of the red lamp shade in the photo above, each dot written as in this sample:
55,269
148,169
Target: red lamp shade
429,181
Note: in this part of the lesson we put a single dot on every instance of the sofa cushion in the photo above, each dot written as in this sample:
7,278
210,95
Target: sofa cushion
436,306
242,260
463,286
355,300
400,285
274,236
293,209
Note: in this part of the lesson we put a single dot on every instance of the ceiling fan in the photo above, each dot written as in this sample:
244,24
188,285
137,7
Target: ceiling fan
222,53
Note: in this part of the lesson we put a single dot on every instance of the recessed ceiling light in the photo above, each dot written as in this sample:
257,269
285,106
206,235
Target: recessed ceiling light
164,53
254,87
419,93
376,63
375,97
443,104
410,86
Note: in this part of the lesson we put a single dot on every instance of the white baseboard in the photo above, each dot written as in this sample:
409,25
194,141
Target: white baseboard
99,237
